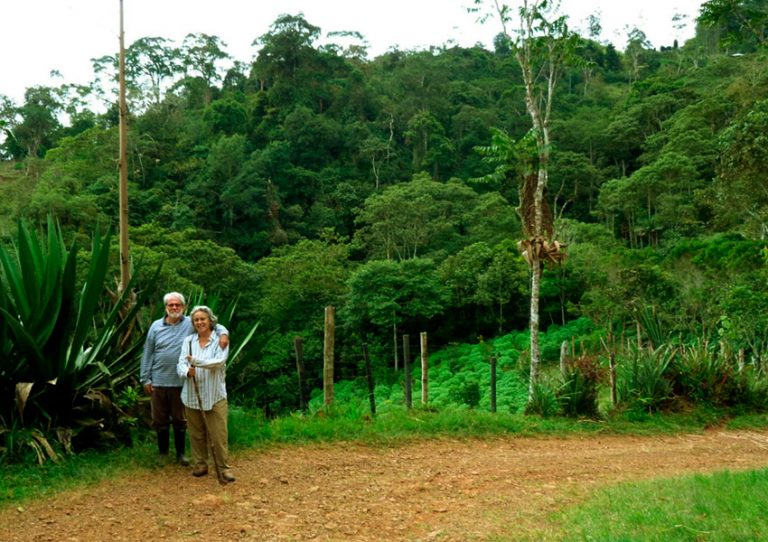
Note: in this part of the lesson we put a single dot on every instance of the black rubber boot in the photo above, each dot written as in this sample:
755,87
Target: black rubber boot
163,441
163,444
179,441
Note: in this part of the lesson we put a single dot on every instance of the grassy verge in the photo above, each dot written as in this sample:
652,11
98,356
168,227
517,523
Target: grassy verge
391,426
721,507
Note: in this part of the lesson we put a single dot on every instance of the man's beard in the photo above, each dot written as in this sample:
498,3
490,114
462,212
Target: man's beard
174,314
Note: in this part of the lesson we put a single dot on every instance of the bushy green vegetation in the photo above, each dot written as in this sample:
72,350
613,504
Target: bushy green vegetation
370,185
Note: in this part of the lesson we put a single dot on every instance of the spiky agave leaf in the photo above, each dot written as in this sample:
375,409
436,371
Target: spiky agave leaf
59,335
37,292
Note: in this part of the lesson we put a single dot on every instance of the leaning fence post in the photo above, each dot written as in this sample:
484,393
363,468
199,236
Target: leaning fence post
407,371
328,355
298,348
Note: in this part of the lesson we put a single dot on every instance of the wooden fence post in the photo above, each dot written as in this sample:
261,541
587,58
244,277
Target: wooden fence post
424,369
328,346
394,342
407,371
298,348
612,364
563,358
493,383
369,376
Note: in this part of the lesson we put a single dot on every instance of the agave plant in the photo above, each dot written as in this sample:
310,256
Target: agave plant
58,344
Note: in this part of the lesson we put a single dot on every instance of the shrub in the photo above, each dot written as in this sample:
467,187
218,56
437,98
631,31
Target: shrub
577,396
703,374
643,378
543,400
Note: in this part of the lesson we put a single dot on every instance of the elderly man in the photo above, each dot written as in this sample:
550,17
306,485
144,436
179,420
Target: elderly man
158,374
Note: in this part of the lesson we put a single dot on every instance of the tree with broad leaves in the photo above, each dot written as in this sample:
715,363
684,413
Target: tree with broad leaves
400,294
744,23
201,55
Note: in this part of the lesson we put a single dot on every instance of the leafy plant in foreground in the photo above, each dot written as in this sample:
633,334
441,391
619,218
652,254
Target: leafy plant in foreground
64,351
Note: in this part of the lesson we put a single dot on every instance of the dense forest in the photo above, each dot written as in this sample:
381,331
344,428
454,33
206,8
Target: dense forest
313,175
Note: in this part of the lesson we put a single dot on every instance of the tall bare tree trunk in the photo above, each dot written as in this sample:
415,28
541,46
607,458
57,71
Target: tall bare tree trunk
540,47
125,268
534,325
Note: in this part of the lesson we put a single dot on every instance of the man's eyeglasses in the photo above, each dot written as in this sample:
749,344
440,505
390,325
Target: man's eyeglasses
174,305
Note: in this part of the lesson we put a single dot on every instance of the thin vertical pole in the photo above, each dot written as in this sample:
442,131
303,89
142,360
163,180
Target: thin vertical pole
407,371
493,383
394,342
369,376
563,358
298,348
328,346
612,365
424,369
125,270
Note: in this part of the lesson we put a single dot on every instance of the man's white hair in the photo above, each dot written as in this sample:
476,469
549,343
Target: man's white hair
174,295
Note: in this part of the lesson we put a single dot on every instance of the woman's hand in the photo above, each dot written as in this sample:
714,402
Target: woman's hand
191,372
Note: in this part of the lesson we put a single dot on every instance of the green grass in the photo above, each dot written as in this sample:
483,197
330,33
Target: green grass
352,422
722,507
30,481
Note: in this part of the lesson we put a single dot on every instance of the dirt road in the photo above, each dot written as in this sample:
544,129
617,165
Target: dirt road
442,490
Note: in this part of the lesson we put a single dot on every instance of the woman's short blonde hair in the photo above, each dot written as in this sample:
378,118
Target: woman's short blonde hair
206,310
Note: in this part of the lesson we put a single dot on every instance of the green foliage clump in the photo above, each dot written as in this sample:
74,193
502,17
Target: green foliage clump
543,400
67,347
643,380
578,395
702,374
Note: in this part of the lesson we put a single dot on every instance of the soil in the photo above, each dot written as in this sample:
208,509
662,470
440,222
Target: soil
441,490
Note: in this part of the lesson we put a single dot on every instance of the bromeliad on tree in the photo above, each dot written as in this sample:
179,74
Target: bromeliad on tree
542,45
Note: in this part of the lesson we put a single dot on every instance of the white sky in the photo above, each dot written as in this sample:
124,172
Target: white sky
37,36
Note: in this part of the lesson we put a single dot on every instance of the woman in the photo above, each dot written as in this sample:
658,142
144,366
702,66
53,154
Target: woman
202,364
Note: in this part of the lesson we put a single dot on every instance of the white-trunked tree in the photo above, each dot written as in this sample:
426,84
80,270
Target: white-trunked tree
542,44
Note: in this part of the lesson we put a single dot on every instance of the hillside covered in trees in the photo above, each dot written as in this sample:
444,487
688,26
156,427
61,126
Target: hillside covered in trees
315,176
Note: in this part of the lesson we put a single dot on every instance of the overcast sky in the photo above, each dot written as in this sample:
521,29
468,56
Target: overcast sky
38,36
